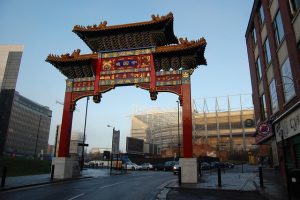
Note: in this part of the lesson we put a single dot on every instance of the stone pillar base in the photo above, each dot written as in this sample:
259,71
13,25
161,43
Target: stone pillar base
189,170
65,167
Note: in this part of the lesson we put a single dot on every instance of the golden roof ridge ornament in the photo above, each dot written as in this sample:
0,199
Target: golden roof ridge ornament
75,54
185,42
163,17
103,25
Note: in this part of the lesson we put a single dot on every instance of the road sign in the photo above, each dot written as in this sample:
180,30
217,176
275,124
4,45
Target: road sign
81,144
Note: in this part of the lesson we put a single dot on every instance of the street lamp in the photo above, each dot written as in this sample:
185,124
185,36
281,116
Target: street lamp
178,129
83,141
37,136
111,127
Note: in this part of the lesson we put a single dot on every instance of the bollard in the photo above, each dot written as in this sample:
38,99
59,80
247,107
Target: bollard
261,178
200,170
52,172
3,176
219,177
179,176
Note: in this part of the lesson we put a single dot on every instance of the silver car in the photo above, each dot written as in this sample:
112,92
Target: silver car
147,166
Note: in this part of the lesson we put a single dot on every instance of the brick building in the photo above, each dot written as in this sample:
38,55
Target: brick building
273,44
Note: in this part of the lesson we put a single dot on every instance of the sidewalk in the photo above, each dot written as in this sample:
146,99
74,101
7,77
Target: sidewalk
229,181
274,187
23,181
234,185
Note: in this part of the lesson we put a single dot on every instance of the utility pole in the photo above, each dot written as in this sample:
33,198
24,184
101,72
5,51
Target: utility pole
178,129
83,140
37,137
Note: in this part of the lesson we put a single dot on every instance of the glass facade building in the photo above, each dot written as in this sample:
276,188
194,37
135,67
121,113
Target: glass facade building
10,59
24,124
28,128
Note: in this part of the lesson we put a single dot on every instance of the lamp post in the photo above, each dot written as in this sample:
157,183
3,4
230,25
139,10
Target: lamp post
83,140
37,136
178,129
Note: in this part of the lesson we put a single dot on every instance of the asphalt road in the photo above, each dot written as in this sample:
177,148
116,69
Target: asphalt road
140,185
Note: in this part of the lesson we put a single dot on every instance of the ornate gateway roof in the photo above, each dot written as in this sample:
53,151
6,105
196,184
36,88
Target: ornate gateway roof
186,55
101,37
155,37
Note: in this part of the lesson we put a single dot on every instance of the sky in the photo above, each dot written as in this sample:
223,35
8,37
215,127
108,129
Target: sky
45,27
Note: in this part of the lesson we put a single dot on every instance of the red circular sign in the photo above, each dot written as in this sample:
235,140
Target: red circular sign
264,128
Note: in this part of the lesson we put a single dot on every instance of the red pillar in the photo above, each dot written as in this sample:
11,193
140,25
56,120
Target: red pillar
152,74
66,126
187,126
98,65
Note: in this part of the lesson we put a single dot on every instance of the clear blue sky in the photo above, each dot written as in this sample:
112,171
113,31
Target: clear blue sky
45,27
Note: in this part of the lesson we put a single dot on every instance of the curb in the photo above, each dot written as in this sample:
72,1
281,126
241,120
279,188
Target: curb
42,183
162,195
213,190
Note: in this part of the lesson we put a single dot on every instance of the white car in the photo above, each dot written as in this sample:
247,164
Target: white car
133,166
147,166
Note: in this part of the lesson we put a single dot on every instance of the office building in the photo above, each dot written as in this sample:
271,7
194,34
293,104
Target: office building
10,59
24,124
28,128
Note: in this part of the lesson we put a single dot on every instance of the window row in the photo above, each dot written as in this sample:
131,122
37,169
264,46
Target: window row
288,90
279,35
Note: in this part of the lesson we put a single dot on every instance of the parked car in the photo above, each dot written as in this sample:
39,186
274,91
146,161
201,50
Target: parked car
146,166
205,166
228,165
214,165
222,165
217,165
133,166
166,166
169,165
159,166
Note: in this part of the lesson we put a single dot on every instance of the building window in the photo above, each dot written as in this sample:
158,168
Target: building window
287,81
261,15
295,6
273,95
254,37
267,51
278,28
263,107
258,69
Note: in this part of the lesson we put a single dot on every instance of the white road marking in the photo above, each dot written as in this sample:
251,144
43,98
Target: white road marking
111,185
140,177
166,183
42,185
76,196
